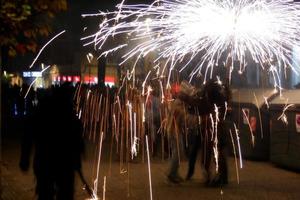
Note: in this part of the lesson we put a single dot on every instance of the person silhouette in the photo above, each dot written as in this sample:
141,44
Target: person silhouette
212,95
55,133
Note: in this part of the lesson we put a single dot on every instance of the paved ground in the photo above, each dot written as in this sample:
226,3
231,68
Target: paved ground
258,180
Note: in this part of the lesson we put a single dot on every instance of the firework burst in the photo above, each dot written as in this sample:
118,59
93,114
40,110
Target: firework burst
213,32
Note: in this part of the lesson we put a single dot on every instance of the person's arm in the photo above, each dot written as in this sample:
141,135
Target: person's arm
191,100
201,103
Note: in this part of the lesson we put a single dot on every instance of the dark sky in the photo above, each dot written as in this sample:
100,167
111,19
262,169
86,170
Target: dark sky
67,47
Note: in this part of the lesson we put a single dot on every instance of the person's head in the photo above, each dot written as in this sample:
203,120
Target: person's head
216,92
63,95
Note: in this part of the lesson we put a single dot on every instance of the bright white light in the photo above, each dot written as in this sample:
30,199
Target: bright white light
181,30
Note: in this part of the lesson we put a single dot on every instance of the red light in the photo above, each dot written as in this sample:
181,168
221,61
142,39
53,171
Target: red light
69,78
90,79
76,78
109,79
175,88
64,78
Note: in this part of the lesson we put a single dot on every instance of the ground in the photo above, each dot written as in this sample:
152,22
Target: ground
258,180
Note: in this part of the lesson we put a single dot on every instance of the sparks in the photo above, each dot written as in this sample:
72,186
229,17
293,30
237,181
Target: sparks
185,30
235,160
95,189
283,116
89,57
215,147
35,59
251,131
149,168
135,144
239,146
30,86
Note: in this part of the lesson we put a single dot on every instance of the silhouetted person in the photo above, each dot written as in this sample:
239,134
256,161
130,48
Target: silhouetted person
212,94
176,120
55,133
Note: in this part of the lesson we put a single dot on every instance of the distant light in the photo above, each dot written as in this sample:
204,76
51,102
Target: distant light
110,84
30,74
109,79
76,79
5,73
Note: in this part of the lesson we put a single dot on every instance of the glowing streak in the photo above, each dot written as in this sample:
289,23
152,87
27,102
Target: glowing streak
235,160
264,31
239,146
215,148
283,116
104,187
217,117
95,189
135,143
266,102
219,80
162,92
144,83
119,104
251,131
212,127
259,115
129,105
149,89
35,59
88,94
149,168
115,127
89,57
143,111
276,77
30,86
226,109
79,115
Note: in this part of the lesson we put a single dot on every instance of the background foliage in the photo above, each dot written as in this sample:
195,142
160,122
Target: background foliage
23,22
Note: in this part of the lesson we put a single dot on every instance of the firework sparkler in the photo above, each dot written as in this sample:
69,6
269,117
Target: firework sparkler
181,31
42,49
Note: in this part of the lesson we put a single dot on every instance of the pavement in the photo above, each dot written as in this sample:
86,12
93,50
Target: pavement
258,180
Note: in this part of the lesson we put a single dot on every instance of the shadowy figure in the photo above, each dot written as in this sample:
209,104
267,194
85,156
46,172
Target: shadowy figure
175,123
213,94
55,133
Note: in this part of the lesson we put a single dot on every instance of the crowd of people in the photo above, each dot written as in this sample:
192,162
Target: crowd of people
202,112
53,131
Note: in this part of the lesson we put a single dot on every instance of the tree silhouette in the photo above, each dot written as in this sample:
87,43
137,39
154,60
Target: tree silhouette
23,22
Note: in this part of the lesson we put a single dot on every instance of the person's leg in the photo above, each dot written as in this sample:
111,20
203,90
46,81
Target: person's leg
195,141
207,155
174,163
223,167
65,185
156,141
222,175
44,186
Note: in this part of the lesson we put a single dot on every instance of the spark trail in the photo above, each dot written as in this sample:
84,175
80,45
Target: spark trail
42,49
